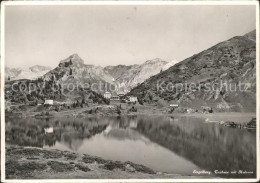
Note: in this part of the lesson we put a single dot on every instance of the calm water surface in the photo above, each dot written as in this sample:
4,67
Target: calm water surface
176,145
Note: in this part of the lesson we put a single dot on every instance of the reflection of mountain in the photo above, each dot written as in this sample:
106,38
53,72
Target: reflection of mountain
74,138
29,132
122,129
125,134
210,146
207,145
32,132
72,143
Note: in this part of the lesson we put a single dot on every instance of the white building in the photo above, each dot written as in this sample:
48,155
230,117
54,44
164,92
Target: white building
107,95
133,99
174,105
50,102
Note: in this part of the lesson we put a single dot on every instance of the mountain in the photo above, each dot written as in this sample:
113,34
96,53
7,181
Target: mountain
124,78
89,81
170,64
128,77
28,73
196,81
251,35
12,72
73,69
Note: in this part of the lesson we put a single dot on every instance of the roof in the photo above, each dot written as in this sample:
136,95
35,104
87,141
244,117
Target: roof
173,105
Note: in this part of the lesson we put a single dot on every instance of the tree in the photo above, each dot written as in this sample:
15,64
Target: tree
83,101
53,78
107,101
141,102
70,71
118,111
57,109
36,101
77,104
74,105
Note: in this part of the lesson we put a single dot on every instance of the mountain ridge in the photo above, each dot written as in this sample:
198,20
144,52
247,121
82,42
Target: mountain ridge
32,72
232,60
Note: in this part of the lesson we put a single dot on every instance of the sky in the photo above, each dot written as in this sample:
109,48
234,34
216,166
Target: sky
112,35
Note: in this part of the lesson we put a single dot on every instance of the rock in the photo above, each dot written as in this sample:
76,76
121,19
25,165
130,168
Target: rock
129,168
230,124
251,124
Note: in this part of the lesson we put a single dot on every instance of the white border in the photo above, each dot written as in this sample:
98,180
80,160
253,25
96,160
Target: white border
11,3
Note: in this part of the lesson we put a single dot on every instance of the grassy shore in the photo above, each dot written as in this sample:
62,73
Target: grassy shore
38,163
113,110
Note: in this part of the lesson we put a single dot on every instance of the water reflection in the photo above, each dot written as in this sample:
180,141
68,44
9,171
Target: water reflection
169,144
210,146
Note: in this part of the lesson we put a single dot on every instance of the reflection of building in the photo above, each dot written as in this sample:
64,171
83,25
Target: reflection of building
48,130
107,95
49,102
133,124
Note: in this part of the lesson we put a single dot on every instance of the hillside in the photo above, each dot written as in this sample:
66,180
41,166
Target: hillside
251,35
230,62
56,83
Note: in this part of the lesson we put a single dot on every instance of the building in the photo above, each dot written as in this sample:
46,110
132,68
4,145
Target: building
121,95
49,102
107,95
114,96
174,105
133,99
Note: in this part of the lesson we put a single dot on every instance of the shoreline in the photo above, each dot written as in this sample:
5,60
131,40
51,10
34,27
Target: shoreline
111,110
81,114
39,163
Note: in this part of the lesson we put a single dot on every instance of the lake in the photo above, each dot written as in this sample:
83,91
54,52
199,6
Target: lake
175,145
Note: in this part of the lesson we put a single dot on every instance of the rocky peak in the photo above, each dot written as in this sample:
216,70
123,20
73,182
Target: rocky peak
72,60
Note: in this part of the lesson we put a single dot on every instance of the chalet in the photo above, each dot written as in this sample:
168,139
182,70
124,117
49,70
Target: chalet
133,99
107,95
49,102
114,96
121,95
174,105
